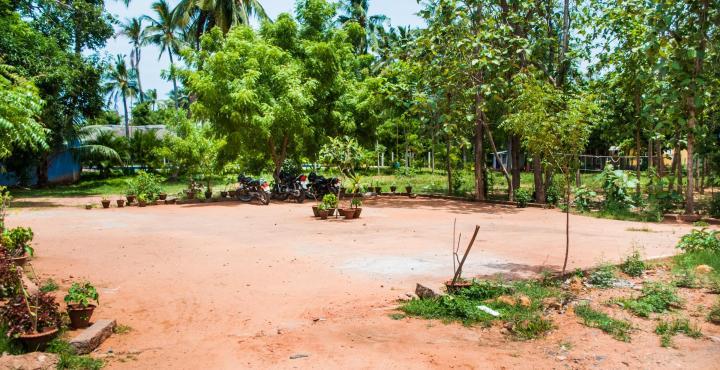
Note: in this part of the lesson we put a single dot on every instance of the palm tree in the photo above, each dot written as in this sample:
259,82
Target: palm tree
162,32
151,95
120,82
133,30
202,15
357,11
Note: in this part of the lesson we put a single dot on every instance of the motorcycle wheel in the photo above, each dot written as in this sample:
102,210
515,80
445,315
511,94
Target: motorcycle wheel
280,196
245,197
264,198
300,198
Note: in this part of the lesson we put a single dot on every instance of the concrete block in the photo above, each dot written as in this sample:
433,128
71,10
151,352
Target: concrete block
93,336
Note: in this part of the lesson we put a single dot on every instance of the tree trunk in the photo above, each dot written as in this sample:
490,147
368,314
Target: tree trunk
515,155
638,121
449,165
538,178
479,159
127,124
567,220
137,72
689,193
497,157
174,80
660,158
564,65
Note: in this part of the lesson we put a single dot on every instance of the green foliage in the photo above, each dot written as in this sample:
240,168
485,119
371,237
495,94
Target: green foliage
522,197
144,184
700,240
19,106
633,265
190,147
617,187
17,241
667,329
714,206
714,314
583,197
656,297
49,286
603,276
30,314
82,294
330,201
619,329
553,193
71,361
686,279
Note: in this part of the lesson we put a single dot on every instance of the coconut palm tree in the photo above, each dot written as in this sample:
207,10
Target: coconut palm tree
163,32
151,95
199,16
133,30
357,11
120,83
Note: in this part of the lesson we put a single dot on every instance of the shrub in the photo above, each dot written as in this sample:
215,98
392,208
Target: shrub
522,197
686,279
603,276
70,360
553,193
17,241
330,200
667,329
619,329
700,240
20,320
583,197
617,187
633,265
655,298
144,184
714,315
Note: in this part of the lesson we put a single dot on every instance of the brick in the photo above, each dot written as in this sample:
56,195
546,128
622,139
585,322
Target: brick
93,336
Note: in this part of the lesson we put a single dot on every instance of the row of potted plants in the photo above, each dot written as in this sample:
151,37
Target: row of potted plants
34,318
329,206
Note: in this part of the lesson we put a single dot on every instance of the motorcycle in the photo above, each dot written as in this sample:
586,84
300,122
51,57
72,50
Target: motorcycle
290,186
319,186
250,189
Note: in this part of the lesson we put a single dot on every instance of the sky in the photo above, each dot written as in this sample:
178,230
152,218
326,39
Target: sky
400,12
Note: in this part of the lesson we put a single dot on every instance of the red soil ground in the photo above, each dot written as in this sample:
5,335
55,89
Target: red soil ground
232,285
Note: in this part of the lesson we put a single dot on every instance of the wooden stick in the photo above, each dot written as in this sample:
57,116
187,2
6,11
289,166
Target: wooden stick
467,251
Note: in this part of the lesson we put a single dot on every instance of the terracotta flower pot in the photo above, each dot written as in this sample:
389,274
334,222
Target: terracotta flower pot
378,190
120,203
323,214
38,341
223,194
393,188
130,199
79,315
408,189
142,203
162,196
190,194
331,211
357,212
316,211
348,213
105,203
208,194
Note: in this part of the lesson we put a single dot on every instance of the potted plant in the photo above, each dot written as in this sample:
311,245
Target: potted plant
142,200
208,193
393,187
17,244
408,189
162,195
378,189
105,202
356,203
120,203
88,206
322,211
348,213
33,319
130,197
331,203
79,306
316,210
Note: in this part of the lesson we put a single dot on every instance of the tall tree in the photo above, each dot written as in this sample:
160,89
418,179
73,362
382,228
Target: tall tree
120,83
372,25
199,16
162,32
133,30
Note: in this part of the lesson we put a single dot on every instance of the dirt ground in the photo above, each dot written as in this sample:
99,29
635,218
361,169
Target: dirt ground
232,285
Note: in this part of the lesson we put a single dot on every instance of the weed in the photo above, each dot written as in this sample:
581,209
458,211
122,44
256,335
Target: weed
68,358
655,298
7,344
700,240
530,325
122,329
633,265
603,276
49,286
686,279
397,316
701,223
667,329
714,315
619,329
690,260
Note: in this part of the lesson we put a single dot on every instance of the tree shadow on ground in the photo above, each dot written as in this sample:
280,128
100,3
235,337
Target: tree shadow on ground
35,204
455,206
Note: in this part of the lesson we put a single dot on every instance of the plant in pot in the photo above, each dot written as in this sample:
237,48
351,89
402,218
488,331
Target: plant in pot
10,277
79,306
356,204
33,319
142,200
162,195
4,204
393,188
120,203
408,189
377,188
322,210
331,203
17,244
105,202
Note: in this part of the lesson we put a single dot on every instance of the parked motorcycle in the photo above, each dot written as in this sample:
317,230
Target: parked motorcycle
250,189
290,186
319,186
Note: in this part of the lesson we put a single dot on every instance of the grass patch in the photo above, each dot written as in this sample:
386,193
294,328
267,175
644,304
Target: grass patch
69,360
655,298
49,286
690,260
668,329
687,279
122,329
619,329
714,315
526,322
633,265
397,316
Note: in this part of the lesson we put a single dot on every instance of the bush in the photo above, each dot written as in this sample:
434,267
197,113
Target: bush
17,241
633,265
553,193
20,320
583,197
714,315
522,197
603,276
700,240
655,298
617,187
145,184
330,201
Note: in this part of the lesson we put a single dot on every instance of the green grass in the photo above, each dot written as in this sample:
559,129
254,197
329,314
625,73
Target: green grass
690,260
619,329
633,265
603,276
69,360
714,314
525,322
121,329
49,286
668,329
655,298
